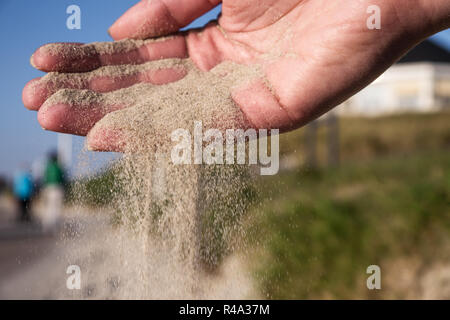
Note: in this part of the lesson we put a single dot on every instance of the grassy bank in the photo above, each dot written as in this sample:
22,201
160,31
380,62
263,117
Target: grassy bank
316,231
364,139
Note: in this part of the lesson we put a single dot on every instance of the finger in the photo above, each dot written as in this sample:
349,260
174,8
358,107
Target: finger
158,17
106,139
153,76
76,111
33,94
38,90
141,128
111,133
129,131
77,57
105,79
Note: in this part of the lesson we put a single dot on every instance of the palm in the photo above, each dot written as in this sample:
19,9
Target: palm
314,54
322,52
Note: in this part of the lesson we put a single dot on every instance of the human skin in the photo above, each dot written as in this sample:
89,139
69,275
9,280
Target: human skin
321,53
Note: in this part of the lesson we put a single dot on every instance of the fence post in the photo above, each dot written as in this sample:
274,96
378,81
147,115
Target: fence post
333,139
311,144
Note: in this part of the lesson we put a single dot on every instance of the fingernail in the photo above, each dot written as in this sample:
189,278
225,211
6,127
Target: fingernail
109,31
32,61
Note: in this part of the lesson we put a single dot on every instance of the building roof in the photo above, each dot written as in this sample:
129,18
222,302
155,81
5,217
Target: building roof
427,51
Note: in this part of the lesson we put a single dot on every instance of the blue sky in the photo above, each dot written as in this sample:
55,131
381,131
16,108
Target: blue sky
24,26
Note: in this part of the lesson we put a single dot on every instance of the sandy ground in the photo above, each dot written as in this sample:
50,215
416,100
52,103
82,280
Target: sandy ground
21,245
113,265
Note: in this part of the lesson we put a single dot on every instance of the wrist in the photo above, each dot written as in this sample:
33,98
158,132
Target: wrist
436,16
416,20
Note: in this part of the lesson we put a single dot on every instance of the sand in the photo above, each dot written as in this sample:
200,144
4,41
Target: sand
155,111
118,264
84,50
80,80
190,212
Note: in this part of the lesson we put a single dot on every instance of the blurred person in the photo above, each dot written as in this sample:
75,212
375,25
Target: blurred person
52,192
23,191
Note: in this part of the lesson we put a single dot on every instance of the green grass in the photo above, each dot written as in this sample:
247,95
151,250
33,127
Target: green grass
95,191
368,138
316,231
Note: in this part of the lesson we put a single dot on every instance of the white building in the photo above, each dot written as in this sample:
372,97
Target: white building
409,86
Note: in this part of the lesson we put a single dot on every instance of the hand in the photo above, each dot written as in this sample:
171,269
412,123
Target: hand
321,52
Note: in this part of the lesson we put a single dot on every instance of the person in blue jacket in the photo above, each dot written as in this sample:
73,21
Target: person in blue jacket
23,191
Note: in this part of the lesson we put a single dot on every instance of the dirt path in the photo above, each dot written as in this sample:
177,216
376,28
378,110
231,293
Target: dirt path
21,245
113,266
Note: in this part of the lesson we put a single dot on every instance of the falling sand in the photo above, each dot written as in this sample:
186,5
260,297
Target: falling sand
185,219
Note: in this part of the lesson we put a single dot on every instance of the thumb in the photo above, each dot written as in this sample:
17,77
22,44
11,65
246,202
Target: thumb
153,18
